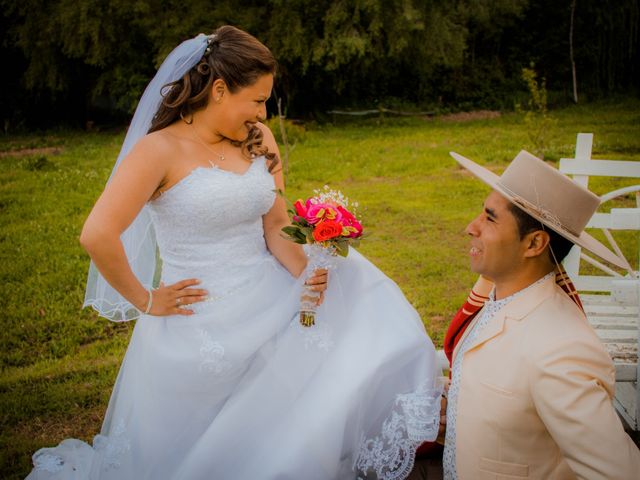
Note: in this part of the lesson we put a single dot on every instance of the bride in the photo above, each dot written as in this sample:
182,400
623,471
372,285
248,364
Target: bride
220,381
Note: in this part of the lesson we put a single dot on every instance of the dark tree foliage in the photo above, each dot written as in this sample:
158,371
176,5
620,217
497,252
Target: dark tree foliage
606,44
74,61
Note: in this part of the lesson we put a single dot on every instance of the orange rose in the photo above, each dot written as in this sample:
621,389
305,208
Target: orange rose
327,230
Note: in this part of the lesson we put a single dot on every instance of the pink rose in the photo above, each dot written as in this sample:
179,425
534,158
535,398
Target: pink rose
317,212
314,214
352,226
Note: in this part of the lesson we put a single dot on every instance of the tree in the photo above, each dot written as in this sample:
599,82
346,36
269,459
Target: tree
573,63
79,57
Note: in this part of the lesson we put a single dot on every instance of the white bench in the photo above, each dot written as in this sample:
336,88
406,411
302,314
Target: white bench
611,299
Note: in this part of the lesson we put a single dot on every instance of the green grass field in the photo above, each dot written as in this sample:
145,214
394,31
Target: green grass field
58,362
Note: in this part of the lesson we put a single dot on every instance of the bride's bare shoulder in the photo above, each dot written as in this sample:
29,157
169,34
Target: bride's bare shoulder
158,142
161,145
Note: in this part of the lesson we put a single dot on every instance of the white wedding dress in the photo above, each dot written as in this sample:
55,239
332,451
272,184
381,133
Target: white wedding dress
240,390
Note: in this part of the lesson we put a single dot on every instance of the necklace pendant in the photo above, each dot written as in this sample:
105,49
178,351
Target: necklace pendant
208,147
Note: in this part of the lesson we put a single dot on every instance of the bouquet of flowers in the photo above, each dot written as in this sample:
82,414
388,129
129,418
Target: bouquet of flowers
328,224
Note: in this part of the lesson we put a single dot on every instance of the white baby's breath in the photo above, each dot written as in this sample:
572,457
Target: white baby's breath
328,195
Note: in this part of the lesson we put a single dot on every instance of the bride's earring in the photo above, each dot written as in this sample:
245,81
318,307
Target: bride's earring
188,120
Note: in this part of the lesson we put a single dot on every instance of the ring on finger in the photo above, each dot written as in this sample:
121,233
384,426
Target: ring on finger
178,301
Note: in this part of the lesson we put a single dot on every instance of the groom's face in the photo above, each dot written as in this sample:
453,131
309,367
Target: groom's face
496,248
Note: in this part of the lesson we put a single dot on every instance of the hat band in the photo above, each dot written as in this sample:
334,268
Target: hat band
545,215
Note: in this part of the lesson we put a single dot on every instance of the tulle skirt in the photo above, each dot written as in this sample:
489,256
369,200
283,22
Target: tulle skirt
241,390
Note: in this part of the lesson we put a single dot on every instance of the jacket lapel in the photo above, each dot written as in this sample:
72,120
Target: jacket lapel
517,309
492,329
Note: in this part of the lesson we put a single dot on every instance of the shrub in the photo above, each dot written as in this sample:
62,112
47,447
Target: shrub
537,119
295,132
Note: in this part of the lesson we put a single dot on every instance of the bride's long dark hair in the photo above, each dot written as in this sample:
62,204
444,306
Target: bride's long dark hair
237,58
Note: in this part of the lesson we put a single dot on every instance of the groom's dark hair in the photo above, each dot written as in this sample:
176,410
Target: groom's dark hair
559,245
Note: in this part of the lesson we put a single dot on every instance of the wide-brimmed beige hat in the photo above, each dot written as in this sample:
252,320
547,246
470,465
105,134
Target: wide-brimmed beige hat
548,196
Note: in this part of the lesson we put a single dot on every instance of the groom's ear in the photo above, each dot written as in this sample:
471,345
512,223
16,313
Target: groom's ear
535,243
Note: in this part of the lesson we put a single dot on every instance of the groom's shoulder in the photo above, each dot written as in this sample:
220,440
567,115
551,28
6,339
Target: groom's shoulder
559,317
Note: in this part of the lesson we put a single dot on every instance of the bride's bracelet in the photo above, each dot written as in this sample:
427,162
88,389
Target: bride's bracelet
150,302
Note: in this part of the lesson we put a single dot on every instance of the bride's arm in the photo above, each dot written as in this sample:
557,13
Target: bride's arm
289,254
132,185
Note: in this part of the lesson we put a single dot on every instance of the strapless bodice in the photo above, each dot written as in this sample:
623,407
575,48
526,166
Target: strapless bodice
209,226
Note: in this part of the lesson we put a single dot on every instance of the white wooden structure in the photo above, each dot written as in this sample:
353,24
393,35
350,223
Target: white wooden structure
611,299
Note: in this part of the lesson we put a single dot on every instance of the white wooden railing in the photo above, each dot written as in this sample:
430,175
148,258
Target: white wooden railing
611,298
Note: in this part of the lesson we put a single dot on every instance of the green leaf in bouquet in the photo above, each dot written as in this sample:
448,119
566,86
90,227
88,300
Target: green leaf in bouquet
291,230
301,237
295,238
306,231
294,233
288,237
342,247
310,238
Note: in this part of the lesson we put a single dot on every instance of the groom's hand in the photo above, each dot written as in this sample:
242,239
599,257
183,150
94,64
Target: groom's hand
443,414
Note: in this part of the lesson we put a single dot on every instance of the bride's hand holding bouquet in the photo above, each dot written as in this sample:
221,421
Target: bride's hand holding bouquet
327,224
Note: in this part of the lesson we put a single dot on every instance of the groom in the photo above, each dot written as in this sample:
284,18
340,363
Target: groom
532,386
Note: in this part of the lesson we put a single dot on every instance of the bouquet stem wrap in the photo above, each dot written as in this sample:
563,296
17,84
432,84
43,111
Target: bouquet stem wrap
319,257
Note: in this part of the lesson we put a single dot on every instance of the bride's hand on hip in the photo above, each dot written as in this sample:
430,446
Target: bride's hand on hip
174,299
318,282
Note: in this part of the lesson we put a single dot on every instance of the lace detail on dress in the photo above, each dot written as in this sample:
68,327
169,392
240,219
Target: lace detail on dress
112,446
212,354
421,412
48,463
390,455
415,419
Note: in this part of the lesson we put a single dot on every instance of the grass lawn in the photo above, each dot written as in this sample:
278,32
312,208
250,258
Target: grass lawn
59,362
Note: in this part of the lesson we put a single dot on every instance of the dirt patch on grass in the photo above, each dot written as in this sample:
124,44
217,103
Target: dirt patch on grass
84,423
19,442
470,116
25,152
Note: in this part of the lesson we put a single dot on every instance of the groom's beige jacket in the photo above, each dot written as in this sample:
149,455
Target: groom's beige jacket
535,398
